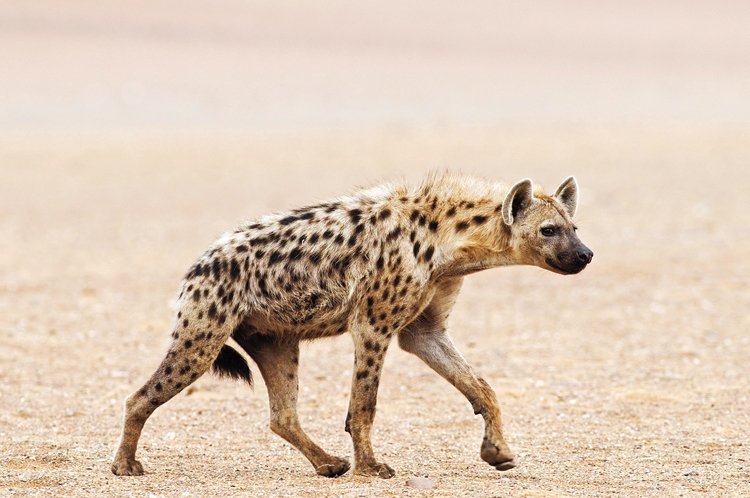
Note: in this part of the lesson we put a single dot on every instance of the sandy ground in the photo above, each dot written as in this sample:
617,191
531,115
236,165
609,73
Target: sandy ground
629,379
132,134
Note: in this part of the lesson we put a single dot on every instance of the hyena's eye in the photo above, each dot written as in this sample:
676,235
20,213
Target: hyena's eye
548,231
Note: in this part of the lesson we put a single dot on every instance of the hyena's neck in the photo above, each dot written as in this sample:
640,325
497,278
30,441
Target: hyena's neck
459,230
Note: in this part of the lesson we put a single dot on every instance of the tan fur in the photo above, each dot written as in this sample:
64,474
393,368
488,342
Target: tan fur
381,262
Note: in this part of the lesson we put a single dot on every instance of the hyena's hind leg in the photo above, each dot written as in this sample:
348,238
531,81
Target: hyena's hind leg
278,362
197,344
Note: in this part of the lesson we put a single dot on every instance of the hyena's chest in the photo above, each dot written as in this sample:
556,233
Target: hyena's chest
397,301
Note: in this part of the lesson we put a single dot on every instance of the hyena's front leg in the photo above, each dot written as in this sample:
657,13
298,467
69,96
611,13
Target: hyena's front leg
278,362
435,348
369,352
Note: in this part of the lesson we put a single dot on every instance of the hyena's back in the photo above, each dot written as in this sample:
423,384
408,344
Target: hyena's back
300,273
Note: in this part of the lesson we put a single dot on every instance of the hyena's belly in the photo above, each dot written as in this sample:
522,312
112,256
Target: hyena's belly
306,315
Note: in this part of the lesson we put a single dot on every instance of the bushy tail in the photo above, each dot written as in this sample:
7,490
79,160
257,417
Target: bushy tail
231,364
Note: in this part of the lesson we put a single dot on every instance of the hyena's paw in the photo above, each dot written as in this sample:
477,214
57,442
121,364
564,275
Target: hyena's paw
336,467
501,459
377,469
125,467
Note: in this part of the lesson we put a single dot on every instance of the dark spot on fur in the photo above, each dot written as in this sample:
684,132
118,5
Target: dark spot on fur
216,268
479,219
450,212
212,311
287,220
428,253
235,270
393,234
433,226
158,386
168,370
461,226
355,215
295,254
339,239
385,213
414,215
417,245
275,257
362,374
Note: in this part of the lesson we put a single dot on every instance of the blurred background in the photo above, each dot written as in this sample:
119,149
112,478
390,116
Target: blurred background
288,65
132,134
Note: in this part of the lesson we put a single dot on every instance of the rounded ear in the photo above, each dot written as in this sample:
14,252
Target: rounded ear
567,194
519,197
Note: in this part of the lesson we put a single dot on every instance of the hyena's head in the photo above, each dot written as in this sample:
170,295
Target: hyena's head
542,229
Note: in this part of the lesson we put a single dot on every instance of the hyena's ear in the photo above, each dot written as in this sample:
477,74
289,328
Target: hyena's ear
519,197
567,194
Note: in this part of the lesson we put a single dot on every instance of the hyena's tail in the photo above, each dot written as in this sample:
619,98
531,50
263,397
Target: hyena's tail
232,365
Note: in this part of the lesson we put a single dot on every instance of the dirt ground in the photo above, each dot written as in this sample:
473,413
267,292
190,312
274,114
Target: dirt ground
630,378
132,134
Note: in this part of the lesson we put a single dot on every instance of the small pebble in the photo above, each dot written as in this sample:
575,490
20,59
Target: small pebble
420,483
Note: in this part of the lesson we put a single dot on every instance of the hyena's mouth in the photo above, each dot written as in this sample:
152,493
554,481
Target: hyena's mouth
566,270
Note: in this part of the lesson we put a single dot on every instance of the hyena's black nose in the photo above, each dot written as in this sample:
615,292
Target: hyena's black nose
585,255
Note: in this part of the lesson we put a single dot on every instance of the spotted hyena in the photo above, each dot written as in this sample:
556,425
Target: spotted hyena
382,262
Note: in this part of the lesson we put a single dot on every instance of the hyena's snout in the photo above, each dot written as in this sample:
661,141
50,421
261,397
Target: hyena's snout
573,260
584,255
